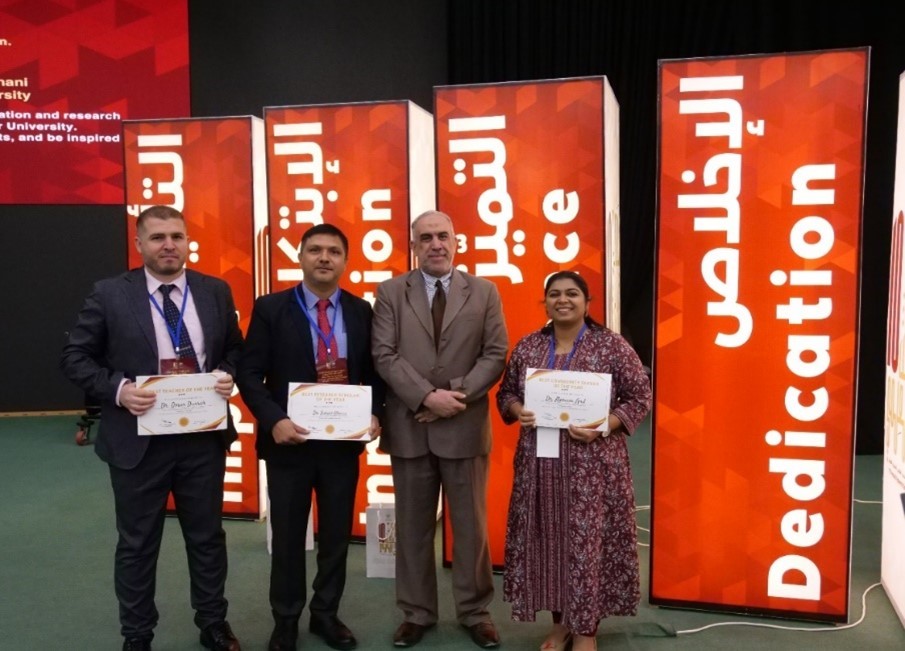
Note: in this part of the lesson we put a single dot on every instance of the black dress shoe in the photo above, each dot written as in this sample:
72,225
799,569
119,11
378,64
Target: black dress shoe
285,635
136,644
336,634
408,634
219,637
484,635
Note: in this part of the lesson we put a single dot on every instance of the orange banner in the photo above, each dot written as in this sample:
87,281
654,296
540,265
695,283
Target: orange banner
758,268
529,174
368,169
206,169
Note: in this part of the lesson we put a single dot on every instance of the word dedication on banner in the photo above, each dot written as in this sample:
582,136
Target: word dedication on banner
892,568
529,174
758,272
367,168
212,170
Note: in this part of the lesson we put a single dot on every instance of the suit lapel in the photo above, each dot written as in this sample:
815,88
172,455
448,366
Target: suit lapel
459,290
205,307
416,295
302,325
355,333
136,290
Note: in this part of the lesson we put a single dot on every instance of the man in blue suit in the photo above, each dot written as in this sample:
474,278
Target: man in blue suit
122,332
314,332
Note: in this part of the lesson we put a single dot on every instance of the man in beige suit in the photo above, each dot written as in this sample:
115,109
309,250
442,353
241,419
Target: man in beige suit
437,427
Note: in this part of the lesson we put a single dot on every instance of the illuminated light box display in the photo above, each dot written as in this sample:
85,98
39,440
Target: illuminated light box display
529,173
892,567
758,267
367,168
212,170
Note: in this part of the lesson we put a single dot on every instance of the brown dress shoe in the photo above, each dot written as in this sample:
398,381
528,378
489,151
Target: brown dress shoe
219,637
484,635
408,634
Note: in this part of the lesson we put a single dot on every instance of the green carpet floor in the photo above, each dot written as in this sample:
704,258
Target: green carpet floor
56,560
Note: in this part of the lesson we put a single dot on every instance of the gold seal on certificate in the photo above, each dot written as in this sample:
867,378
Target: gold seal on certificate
185,403
335,412
562,398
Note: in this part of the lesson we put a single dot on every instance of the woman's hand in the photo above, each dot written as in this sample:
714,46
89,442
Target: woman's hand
588,435
584,434
526,418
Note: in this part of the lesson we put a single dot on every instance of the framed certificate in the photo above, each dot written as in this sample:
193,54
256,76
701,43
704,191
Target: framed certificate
185,403
335,412
562,398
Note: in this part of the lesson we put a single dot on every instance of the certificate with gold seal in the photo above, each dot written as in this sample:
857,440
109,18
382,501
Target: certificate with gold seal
562,398
335,412
185,403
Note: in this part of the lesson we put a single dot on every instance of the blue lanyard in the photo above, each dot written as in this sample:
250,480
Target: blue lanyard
174,334
571,352
320,333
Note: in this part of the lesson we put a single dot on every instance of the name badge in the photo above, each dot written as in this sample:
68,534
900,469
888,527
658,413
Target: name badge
177,366
333,371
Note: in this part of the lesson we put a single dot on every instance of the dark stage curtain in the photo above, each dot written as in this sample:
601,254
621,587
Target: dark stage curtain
515,40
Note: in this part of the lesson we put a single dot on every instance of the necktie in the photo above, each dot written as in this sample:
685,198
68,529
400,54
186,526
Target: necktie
438,307
324,325
185,349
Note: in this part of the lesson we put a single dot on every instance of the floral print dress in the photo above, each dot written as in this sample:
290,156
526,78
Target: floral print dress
570,535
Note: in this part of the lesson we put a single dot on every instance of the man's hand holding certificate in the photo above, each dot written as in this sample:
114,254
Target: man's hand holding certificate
335,412
563,398
185,403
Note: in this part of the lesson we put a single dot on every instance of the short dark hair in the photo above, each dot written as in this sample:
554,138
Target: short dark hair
325,229
157,212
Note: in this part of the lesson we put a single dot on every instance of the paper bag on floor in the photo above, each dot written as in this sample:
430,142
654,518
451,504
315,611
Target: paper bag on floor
380,520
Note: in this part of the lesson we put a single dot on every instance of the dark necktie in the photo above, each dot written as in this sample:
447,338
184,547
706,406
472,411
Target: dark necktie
171,313
324,325
438,307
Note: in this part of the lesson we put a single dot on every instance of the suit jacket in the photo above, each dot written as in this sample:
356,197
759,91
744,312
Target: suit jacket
279,350
114,338
470,359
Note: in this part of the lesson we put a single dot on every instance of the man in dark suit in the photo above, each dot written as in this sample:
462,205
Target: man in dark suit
440,343
314,332
122,332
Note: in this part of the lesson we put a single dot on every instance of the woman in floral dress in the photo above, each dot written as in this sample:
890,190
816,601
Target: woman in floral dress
570,537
